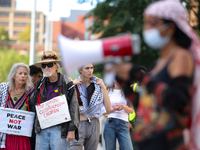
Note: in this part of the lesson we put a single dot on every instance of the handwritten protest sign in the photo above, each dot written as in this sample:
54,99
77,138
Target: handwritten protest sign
16,122
53,112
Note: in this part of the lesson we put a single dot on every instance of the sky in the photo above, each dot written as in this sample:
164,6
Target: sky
60,8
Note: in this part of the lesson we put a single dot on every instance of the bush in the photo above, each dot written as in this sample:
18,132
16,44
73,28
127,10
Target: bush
8,57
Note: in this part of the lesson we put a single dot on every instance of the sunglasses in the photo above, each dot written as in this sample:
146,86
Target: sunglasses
49,65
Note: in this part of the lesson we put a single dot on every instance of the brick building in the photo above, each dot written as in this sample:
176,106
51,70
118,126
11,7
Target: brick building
74,26
15,21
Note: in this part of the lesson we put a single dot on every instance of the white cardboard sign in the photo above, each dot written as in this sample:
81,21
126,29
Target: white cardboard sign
53,112
16,122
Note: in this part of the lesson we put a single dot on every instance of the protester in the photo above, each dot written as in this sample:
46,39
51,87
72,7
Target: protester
117,123
35,74
55,84
163,108
92,97
15,94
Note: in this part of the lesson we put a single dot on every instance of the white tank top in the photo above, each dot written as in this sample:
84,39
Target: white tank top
117,97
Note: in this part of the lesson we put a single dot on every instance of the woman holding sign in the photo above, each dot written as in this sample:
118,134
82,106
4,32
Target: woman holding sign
15,94
49,90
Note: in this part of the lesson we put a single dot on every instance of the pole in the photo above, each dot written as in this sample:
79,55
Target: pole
32,42
48,30
47,34
51,36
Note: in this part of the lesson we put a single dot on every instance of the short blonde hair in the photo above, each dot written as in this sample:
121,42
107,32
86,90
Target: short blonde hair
12,73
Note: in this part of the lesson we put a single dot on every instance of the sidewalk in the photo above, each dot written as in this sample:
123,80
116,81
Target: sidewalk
99,147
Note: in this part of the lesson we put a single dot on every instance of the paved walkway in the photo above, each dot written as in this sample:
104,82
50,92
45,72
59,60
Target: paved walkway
99,147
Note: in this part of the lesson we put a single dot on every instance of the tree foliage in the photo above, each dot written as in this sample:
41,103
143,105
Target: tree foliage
3,35
25,35
9,57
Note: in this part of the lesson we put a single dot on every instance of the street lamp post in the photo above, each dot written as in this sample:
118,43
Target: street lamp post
32,42
48,30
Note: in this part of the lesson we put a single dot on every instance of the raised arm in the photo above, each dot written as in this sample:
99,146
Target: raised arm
106,99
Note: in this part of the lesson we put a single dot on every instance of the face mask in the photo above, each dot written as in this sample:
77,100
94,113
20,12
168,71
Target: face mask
154,40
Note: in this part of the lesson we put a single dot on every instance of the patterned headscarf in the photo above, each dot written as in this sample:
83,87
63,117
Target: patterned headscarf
174,11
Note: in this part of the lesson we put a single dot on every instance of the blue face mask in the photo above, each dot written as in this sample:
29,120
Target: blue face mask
153,38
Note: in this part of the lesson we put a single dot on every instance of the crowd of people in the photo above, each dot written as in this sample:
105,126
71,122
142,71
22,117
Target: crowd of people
162,97
87,99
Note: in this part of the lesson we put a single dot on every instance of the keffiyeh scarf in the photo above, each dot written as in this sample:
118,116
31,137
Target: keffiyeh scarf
95,108
3,97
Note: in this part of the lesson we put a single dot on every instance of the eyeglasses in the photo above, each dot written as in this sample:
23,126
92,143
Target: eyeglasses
49,65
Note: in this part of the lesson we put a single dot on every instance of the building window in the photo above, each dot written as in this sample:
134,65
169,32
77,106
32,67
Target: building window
20,23
37,36
38,16
3,23
5,3
4,13
17,32
37,25
23,15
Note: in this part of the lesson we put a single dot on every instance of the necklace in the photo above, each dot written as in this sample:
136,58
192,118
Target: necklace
15,98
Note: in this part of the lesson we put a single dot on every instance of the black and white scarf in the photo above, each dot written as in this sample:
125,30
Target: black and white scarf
3,97
95,108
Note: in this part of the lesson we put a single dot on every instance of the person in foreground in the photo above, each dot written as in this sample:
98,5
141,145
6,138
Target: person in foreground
55,84
93,102
117,123
15,94
163,108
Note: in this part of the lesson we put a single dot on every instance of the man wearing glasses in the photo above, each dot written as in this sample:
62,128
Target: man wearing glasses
55,84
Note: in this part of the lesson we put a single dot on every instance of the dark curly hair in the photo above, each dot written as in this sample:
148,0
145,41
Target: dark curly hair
180,37
35,70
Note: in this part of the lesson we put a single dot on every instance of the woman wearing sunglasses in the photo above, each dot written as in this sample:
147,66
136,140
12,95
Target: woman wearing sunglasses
52,85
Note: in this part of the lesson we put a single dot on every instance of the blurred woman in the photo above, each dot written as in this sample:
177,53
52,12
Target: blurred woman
163,109
117,123
14,94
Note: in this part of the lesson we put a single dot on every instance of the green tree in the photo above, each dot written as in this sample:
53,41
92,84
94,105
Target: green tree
25,35
9,57
3,35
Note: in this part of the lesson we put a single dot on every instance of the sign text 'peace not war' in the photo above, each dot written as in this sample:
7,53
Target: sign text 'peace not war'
16,122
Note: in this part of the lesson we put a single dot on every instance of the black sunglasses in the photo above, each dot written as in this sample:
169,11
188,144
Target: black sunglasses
49,65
